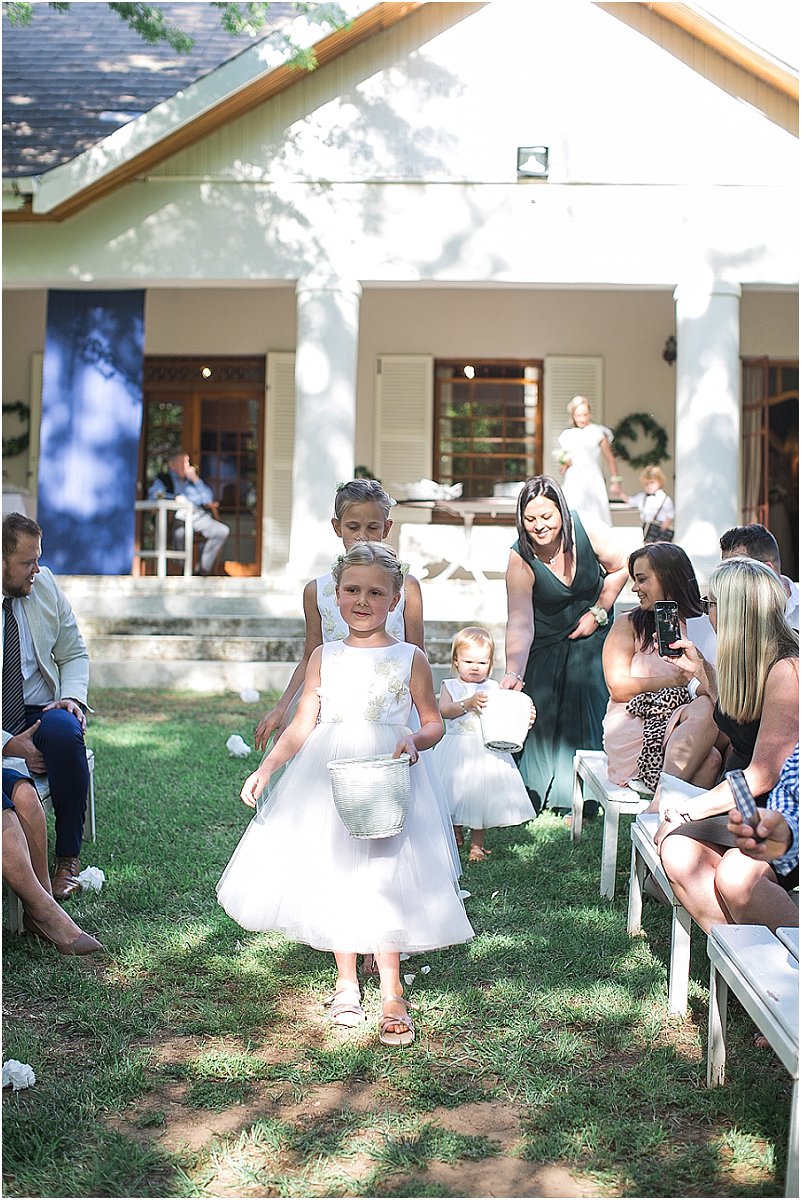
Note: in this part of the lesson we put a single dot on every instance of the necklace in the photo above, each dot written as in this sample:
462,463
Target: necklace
550,561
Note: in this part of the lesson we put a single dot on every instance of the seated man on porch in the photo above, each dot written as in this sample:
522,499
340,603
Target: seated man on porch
181,479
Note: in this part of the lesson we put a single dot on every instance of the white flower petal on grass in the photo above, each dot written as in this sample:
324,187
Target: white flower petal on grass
463,895
409,979
494,894
92,879
17,1074
249,695
237,747
424,970
404,957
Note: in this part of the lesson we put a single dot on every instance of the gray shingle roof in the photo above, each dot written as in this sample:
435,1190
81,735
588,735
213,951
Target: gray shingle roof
70,79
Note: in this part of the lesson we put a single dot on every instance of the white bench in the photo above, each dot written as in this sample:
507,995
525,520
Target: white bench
42,784
645,857
590,770
762,971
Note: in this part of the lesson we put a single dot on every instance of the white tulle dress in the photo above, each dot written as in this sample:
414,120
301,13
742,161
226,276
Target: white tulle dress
297,870
583,484
484,787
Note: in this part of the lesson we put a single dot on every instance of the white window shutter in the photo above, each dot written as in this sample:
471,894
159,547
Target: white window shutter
404,418
567,376
279,443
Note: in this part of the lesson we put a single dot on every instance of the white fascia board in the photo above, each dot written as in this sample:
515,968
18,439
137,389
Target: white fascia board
71,178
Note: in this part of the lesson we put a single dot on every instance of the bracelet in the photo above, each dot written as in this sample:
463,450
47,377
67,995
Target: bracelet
615,478
600,614
464,707
514,675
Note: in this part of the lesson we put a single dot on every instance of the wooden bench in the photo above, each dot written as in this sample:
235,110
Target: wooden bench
762,971
591,781
42,784
645,857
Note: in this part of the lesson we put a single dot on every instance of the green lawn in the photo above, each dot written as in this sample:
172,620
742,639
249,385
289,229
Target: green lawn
196,1061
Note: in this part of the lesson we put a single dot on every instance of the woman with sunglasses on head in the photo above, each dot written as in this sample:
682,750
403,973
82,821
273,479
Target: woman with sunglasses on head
755,689
659,715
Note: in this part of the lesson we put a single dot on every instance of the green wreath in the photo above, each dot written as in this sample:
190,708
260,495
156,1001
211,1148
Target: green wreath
627,431
12,446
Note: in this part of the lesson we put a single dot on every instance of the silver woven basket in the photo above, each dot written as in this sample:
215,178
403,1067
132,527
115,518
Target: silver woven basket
371,794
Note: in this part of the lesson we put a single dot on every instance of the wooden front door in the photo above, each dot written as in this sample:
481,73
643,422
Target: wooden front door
213,408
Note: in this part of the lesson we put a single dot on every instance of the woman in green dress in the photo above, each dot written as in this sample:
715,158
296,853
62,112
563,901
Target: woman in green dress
561,583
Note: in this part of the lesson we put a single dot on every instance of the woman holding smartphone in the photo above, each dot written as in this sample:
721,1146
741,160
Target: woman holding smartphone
659,715
755,689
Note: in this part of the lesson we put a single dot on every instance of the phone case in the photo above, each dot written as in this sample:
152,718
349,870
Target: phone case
743,798
667,629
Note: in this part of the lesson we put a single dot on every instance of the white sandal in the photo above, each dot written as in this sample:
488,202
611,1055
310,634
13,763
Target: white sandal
345,1007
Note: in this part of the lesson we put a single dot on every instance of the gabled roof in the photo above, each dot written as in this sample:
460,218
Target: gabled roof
225,92
137,105
71,79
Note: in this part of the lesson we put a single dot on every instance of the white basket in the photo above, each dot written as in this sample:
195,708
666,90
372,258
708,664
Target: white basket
371,794
505,720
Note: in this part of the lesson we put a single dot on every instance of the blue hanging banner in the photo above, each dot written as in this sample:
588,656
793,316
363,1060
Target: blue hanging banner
91,424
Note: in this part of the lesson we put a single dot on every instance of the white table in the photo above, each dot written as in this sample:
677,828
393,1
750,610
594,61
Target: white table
467,510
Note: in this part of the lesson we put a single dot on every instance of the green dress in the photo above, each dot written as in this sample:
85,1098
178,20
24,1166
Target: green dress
564,678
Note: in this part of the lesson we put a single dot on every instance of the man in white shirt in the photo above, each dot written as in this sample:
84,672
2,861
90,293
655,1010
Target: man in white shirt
746,541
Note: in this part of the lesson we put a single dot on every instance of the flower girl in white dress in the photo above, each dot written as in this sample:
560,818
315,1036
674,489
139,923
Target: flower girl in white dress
333,891
486,789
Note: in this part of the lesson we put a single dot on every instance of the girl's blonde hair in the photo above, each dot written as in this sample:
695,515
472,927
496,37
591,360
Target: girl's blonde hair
575,403
473,635
368,554
653,473
357,492
753,634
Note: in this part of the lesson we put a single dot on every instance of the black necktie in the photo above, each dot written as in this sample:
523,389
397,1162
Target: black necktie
13,697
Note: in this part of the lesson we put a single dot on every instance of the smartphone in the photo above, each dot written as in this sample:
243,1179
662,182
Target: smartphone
667,626
744,800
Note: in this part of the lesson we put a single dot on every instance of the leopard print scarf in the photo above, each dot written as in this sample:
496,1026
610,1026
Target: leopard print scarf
655,709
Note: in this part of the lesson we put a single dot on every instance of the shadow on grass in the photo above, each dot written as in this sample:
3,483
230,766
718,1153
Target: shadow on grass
551,1009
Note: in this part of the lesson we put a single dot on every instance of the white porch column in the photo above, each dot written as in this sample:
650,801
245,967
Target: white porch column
325,414
708,415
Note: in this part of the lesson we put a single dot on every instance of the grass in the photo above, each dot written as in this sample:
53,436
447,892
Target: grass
195,1060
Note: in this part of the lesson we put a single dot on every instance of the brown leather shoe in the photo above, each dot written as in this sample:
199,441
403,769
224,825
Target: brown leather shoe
84,943
65,878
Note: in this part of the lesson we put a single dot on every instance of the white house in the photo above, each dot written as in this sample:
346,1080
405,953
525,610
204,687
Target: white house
544,192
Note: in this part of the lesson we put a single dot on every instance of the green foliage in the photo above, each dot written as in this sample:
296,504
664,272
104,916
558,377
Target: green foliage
150,23
628,430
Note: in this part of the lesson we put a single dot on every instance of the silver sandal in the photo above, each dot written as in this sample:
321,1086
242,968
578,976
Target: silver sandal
345,1007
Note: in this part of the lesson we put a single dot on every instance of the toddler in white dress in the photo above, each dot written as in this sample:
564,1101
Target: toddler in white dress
485,788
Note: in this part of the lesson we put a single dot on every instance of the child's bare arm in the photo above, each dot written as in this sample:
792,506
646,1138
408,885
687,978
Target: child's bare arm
450,708
413,625
292,738
425,701
314,637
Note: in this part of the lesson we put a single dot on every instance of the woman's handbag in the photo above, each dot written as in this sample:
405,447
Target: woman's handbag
654,532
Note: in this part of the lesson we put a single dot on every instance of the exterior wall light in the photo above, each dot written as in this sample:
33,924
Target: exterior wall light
669,352
532,162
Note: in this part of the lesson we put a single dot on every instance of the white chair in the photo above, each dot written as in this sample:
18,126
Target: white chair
590,770
645,857
762,971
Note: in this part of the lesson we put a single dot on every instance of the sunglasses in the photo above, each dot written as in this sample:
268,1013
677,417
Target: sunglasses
706,604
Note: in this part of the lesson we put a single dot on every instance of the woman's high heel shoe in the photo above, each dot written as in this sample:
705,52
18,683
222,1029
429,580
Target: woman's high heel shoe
84,943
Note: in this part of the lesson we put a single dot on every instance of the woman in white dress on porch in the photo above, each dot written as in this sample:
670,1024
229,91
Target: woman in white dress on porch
581,449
